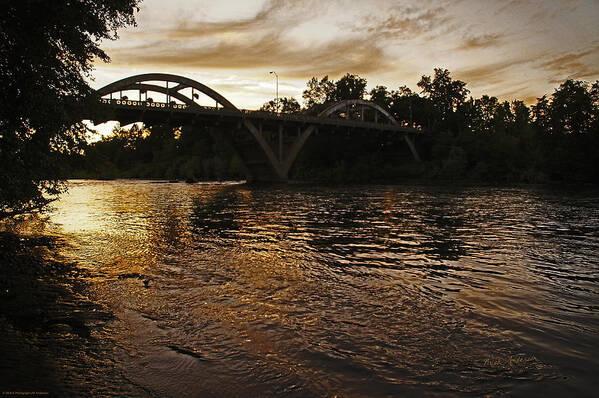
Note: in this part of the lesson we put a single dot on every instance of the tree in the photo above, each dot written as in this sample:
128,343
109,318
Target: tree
483,116
542,114
381,96
572,107
324,91
286,105
349,87
409,107
446,94
318,92
521,115
47,49
595,95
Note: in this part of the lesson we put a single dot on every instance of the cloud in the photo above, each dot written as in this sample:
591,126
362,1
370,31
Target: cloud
491,73
262,40
510,5
266,52
574,65
536,10
273,16
256,42
474,42
404,22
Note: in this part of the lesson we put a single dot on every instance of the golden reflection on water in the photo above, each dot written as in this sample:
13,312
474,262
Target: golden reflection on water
348,290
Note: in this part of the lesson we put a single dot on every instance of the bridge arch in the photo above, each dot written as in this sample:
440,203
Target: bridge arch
139,82
330,111
345,104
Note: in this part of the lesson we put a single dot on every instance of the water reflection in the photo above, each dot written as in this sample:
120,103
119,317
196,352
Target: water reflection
231,291
216,214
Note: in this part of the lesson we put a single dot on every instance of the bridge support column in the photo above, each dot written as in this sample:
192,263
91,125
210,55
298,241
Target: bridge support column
280,143
279,172
296,148
412,146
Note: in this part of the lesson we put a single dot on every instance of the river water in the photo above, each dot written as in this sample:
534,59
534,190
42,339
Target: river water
233,290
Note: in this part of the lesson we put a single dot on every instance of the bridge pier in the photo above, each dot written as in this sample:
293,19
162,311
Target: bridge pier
278,174
412,147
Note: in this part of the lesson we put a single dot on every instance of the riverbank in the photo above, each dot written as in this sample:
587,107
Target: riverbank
421,182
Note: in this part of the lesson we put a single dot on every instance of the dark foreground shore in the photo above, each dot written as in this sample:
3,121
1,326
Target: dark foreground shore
49,327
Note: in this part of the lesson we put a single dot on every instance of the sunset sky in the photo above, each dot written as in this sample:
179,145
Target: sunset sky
518,49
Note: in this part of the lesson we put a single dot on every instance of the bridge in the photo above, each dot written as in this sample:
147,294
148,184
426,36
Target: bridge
267,143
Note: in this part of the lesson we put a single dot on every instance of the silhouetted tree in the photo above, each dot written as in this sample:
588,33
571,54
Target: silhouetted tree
46,53
541,112
286,105
349,87
445,94
595,95
409,107
482,115
572,107
324,91
381,96
318,91
521,116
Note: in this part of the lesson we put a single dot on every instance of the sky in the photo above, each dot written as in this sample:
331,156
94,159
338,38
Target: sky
512,49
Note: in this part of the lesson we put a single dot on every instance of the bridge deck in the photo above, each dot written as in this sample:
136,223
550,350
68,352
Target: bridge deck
205,111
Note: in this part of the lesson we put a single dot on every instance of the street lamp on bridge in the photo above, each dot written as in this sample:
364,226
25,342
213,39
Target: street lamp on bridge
277,97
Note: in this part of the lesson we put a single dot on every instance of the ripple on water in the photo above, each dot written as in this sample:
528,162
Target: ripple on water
353,291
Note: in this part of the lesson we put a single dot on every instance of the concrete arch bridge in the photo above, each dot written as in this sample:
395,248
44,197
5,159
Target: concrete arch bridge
266,143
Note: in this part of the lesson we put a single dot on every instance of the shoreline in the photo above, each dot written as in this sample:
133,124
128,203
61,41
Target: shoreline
317,183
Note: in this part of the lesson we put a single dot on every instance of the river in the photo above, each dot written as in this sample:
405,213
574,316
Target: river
234,290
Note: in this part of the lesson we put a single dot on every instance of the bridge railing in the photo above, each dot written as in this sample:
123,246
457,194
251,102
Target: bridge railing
264,115
147,104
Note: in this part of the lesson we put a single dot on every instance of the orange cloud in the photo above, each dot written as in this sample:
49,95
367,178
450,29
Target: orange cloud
574,65
489,73
265,52
257,42
273,16
404,22
481,41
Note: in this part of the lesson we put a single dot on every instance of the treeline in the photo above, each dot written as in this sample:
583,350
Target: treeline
464,138
158,152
